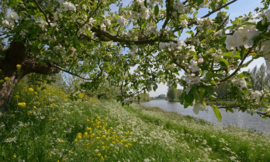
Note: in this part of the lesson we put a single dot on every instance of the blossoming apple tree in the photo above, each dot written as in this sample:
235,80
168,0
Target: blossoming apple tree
87,39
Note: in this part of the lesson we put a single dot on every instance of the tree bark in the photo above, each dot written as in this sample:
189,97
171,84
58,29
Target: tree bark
14,55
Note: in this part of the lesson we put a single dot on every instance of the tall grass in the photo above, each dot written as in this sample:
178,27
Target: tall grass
44,125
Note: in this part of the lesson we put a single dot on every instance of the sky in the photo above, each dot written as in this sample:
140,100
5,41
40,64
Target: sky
236,9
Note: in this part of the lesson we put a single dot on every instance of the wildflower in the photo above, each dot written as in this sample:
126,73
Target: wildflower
7,79
14,156
28,113
79,135
12,115
31,89
22,104
18,66
1,81
85,135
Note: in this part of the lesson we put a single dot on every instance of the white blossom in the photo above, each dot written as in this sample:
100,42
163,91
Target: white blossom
184,23
198,107
6,24
122,21
242,37
267,13
240,83
256,95
12,16
67,6
200,60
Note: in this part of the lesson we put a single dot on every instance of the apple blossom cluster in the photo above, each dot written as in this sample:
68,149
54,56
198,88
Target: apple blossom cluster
242,37
11,18
175,46
240,82
122,21
150,29
256,95
199,107
66,6
179,6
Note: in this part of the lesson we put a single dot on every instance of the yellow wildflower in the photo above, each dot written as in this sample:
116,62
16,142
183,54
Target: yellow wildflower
14,156
7,79
79,135
81,95
28,112
1,81
18,66
22,104
85,135
31,89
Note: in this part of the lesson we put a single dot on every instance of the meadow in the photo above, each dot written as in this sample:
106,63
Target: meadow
43,124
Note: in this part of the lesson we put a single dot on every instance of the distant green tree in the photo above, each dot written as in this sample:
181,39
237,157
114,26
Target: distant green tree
172,93
260,77
144,97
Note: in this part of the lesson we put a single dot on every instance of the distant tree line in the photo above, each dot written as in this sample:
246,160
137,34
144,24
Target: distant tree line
173,94
260,78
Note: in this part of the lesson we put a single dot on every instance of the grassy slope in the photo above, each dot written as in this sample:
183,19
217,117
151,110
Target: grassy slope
117,133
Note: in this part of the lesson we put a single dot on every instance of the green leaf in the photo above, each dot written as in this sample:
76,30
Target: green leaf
223,62
156,10
189,98
217,112
260,26
230,54
88,33
199,2
195,14
210,75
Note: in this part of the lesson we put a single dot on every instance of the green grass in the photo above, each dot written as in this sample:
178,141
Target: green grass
122,133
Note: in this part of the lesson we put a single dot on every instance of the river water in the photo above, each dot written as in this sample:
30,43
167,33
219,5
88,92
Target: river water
238,118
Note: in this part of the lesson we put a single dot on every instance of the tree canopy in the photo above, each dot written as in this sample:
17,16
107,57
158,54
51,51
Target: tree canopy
86,38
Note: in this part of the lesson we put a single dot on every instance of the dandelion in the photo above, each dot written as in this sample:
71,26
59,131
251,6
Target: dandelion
7,79
18,66
22,104
31,90
28,113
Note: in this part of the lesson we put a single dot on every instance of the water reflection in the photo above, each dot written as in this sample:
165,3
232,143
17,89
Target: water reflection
237,118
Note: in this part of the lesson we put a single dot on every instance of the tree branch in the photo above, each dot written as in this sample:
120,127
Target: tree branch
223,6
210,13
239,66
40,9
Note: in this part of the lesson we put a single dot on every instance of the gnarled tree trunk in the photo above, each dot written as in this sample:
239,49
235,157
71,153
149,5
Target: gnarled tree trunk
16,54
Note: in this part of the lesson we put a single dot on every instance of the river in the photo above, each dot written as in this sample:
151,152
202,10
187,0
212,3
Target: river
238,118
